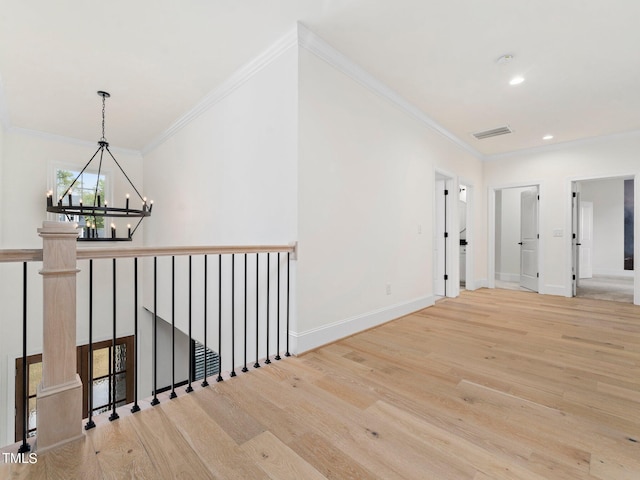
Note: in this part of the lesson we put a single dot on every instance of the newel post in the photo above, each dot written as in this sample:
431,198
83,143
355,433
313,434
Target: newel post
59,398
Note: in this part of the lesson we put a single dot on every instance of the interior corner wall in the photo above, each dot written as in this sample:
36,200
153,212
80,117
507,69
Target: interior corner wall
553,168
227,177
366,180
26,162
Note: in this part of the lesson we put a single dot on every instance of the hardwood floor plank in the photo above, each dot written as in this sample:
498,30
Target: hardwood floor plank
169,452
210,442
278,460
120,452
72,460
491,385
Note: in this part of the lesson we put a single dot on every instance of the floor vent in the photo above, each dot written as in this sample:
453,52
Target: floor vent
494,132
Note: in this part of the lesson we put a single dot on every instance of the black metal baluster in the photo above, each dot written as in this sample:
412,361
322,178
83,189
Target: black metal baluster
155,400
114,415
268,360
219,379
90,423
25,447
288,276
277,357
136,407
205,383
189,387
257,364
245,369
233,315
173,328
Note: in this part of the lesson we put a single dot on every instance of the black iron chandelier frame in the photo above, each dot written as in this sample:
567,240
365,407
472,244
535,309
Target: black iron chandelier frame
98,209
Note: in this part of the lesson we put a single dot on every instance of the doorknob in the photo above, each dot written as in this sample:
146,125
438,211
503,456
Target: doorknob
578,244
519,243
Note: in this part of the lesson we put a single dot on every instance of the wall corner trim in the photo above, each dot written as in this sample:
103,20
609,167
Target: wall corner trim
236,80
316,45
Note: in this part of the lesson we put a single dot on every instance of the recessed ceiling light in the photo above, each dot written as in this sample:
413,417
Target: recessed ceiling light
516,80
547,137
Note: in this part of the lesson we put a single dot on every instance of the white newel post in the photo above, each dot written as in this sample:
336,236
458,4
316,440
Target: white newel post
59,398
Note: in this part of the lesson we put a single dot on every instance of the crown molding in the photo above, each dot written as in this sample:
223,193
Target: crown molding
563,145
316,45
235,81
69,140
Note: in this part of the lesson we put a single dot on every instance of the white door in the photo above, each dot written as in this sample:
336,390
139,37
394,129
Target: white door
529,240
585,240
575,242
439,242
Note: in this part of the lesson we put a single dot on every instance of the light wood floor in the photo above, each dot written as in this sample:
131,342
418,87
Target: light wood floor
492,385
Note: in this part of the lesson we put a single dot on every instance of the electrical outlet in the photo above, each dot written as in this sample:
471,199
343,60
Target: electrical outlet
388,289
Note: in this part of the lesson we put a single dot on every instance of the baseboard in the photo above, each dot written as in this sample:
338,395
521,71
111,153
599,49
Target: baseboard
316,337
559,290
613,272
508,277
476,284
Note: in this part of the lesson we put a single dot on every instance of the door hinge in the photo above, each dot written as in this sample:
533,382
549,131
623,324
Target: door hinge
446,192
574,194
446,234
538,235
537,275
574,236
446,277
574,277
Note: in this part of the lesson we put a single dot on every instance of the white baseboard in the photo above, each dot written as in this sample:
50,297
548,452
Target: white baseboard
613,272
559,290
508,277
476,284
316,337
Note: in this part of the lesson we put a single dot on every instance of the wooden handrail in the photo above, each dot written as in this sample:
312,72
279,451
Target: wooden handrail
35,255
30,255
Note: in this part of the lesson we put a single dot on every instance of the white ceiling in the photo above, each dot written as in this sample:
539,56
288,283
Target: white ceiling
159,58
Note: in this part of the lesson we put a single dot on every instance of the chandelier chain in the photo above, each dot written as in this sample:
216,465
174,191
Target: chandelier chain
103,110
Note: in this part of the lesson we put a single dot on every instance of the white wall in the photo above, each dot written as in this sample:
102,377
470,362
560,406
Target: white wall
228,177
608,224
365,196
554,169
27,175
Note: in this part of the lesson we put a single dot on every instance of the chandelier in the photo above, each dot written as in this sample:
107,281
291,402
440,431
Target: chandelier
93,217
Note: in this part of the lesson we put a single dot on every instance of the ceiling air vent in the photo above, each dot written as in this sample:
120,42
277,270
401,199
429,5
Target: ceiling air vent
494,132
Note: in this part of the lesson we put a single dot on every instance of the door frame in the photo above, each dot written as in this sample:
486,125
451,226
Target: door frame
491,234
569,188
451,243
470,283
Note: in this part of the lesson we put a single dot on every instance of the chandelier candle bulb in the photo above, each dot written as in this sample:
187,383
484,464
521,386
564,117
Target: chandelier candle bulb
96,210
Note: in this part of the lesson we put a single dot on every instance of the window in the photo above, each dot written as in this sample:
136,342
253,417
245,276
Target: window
104,380
84,190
